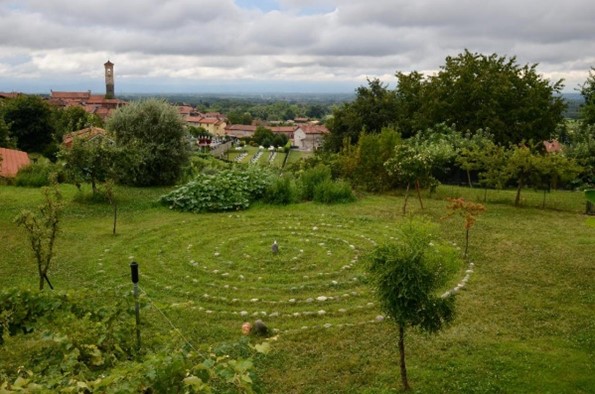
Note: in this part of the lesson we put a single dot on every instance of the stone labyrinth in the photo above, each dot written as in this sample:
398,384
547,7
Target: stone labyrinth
315,281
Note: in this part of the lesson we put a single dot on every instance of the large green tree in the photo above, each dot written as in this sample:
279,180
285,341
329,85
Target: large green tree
587,111
373,109
29,120
152,135
475,91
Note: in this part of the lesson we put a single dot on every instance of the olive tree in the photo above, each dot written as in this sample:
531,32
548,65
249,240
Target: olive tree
409,276
152,137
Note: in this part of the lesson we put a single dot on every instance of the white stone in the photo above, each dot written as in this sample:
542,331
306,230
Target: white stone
254,300
291,301
322,298
379,318
322,312
328,325
243,313
342,310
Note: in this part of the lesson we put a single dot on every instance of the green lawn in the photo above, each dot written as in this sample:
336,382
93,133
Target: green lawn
525,322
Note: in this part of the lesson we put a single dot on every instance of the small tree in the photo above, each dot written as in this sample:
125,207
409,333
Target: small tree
410,164
42,229
469,211
522,167
90,161
408,276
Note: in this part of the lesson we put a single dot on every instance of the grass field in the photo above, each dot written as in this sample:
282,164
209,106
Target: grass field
525,323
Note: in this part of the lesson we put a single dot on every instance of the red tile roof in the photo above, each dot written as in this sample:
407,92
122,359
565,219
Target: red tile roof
241,127
314,129
71,95
283,129
85,134
12,161
9,95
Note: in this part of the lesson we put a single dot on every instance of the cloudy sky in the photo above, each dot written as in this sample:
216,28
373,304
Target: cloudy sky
278,45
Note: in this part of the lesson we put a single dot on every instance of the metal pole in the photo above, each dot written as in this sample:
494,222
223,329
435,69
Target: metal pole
134,273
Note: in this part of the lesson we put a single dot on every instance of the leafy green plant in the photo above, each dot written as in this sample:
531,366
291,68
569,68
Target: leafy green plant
311,177
35,174
281,191
407,277
69,343
330,192
225,190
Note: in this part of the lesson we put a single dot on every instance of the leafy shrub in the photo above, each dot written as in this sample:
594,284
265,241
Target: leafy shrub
281,191
225,190
330,192
67,342
35,174
311,178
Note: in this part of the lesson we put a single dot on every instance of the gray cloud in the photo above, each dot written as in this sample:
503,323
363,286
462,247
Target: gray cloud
303,40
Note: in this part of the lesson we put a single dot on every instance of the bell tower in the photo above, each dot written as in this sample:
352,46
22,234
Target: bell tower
109,80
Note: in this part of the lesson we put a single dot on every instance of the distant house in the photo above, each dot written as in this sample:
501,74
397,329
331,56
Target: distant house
11,161
87,134
240,130
187,110
309,137
215,126
287,130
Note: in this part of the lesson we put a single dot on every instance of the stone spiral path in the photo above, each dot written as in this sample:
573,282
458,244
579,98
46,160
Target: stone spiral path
316,281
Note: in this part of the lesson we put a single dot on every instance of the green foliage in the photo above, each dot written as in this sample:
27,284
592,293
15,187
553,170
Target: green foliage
225,190
364,164
332,192
42,229
152,137
475,91
5,140
281,191
69,343
36,174
407,276
73,118
580,146
311,178
587,111
373,109
590,195
29,119
91,161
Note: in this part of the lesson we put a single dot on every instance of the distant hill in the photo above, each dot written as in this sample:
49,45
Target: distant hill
573,101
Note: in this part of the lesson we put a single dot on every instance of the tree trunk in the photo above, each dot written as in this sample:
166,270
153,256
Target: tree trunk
485,194
402,358
421,204
41,282
469,179
543,202
115,216
406,198
517,200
